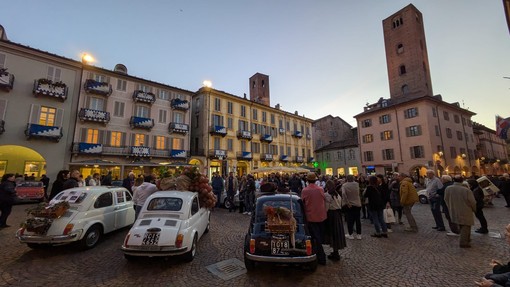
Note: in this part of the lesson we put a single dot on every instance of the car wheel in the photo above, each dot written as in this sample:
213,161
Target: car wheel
91,237
249,264
38,245
130,257
423,199
312,266
188,256
227,204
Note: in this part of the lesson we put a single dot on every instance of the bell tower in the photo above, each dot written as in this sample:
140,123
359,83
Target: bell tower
259,89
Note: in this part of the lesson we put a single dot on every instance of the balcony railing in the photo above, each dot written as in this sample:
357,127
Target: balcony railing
297,134
266,157
178,153
6,80
244,135
178,128
45,87
2,126
219,130
244,155
144,97
140,151
299,159
218,154
89,148
266,138
178,104
43,132
94,115
284,158
143,123
98,88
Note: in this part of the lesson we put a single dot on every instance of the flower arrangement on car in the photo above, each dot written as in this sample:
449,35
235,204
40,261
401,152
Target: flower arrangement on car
190,179
280,219
41,216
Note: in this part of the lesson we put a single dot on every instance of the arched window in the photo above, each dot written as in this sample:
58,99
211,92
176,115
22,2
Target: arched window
402,69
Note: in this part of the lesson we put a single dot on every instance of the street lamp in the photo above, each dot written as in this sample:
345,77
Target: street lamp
87,58
207,84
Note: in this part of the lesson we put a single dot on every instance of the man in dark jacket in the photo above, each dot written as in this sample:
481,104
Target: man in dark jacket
295,184
73,180
128,182
218,186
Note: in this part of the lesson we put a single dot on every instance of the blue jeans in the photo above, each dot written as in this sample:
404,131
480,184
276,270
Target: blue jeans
435,207
378,219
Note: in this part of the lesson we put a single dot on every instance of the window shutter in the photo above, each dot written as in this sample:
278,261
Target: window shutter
58,73
412,152
59,118
83,137
132,142
50,73
108,138
419,130
101,137
408,132
34,114
123,139
3,107
146,140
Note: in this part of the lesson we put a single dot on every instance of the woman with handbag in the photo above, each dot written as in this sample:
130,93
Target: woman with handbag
335,235
376,206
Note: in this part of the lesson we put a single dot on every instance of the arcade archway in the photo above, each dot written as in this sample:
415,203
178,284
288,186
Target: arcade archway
21,160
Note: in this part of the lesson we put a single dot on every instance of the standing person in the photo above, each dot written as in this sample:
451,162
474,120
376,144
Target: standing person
107,179
315,210
95,180
46,181
81,181
249,194
384,190
376,206
218,187
394,188
478,194
504,186
143,192
454,228
362,185
352,205
129,181
408,197
242,187
7,197
461,204
231,186
136,184
335,235
295,184
432,185
73,180
58,184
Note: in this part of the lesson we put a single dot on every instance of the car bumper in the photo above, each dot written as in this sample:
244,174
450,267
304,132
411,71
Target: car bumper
161,251
45,239
279,259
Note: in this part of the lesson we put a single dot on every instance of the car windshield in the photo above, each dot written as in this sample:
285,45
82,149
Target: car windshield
73,197
165,203
275,204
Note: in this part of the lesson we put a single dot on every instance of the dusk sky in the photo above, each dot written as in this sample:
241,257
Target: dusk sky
322,57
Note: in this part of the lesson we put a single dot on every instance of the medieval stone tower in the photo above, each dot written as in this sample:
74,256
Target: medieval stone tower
259,89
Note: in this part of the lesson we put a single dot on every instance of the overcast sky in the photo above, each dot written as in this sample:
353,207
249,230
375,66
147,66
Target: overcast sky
322,57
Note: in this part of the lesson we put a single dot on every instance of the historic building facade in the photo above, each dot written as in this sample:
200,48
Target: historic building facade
231,133
490,150
339,158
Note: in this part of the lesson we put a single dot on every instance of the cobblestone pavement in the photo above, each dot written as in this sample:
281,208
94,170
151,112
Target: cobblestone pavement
427,258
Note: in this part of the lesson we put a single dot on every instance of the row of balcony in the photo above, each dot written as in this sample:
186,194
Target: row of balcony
248,135
136,151
246,155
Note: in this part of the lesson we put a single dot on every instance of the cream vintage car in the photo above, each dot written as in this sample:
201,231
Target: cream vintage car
170,223
90,212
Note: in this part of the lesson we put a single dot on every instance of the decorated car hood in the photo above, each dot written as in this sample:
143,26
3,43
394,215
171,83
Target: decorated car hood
167,228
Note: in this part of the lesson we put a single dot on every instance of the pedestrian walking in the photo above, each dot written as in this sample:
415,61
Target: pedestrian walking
479,196
231,186
249,194
408,197
461,204
376,206
218,186
334,231
394,188
454,228
432,185
352,207
7,197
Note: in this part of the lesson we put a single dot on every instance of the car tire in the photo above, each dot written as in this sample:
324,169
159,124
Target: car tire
38,245
312,266
92,237
226,203
423,199
188,256
130,257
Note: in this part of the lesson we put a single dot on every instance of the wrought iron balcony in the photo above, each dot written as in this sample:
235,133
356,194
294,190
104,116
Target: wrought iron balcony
244,155
178,104
2,126
98,88
266,138
43,132
244,135
143,123
178,128
220,154
218,130
6,80
178,153
297,134
284,158
299,159
140,151
144,97
266,157
45,87
94,115
89,148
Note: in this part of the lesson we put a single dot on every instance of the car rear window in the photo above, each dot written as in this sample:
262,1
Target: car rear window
296,209
165,203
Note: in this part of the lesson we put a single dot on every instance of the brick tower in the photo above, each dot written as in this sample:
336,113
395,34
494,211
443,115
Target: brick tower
259,89
406,54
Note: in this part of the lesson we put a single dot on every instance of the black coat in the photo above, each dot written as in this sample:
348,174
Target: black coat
7,192
70,183
57,187
375,199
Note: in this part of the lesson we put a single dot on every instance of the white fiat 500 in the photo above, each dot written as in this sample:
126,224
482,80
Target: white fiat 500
91,212
170,223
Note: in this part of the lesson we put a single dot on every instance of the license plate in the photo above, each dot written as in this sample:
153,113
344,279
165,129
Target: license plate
280,245
150,238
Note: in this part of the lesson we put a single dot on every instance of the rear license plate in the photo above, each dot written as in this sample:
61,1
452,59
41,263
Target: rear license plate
150,238
280,245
